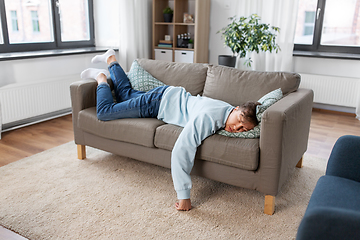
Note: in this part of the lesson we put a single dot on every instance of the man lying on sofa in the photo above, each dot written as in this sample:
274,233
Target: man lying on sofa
199,116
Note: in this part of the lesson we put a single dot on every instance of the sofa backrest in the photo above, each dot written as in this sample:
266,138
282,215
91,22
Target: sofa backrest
237,87
191,76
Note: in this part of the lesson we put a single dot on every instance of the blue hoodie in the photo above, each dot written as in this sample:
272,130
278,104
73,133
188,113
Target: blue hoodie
200,117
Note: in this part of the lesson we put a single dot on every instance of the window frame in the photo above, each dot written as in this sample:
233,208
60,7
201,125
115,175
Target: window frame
6,47
316,46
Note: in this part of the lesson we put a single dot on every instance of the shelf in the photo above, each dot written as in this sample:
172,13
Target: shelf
184,49
185,24
169,48
174,48
172,23
164,23
199,29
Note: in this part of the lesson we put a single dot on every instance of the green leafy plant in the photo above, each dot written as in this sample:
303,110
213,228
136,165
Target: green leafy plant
247,34
168,10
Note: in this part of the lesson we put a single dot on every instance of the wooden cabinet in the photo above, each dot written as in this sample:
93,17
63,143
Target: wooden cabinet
198,29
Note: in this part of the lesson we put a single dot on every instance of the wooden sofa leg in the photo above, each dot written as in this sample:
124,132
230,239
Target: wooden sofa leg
269,208
81,151
300,163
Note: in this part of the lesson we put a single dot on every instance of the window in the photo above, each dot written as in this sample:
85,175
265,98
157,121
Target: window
30,25
14,21
328,26
72,27
35,21
309,23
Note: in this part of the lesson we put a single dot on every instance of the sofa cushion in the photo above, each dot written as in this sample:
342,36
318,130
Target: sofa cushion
235,152
133,130
140,79
191,76
237,87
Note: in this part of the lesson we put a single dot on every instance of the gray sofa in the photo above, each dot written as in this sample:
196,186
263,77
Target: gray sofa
262,164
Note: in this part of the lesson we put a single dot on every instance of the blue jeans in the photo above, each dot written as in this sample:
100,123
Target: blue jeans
130,103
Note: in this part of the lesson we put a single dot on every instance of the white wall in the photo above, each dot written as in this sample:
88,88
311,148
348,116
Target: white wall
220,12
38,69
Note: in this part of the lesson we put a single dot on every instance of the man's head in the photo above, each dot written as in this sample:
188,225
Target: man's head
242,118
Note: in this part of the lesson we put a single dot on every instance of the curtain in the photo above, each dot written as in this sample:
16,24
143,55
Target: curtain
279,13
135,31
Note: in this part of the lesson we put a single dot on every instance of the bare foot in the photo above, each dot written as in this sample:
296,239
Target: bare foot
183,205
111,59
101,78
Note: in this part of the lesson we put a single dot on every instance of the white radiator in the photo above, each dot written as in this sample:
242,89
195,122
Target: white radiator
21,101
340,91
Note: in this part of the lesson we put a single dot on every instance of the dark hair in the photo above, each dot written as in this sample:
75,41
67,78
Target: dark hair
249,111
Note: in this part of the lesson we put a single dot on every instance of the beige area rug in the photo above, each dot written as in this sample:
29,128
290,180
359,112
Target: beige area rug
53,195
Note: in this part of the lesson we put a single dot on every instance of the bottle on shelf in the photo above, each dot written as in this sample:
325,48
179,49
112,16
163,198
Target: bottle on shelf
183,40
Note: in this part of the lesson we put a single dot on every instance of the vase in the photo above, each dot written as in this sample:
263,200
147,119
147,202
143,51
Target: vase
227,60
168,17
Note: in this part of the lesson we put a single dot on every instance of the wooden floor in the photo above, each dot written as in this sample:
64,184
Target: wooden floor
26,141
326,127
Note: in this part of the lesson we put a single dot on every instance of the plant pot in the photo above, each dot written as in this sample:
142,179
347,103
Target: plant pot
168,17
227,60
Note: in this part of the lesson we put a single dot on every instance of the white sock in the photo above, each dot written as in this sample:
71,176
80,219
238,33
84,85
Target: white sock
94,73
103,57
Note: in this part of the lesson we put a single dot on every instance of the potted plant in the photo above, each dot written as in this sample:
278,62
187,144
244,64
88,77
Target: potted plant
245,35
191,43
168,14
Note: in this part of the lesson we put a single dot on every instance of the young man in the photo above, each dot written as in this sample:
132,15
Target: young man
199,116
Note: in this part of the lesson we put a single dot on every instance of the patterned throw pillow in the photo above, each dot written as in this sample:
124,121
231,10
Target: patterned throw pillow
266,101
253,133
142,80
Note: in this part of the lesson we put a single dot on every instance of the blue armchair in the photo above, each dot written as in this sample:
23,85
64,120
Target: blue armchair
333,211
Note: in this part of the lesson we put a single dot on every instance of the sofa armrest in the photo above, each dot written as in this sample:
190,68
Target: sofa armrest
283,139
83,95
344,159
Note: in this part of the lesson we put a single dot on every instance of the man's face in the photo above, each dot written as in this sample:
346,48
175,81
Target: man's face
237,123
